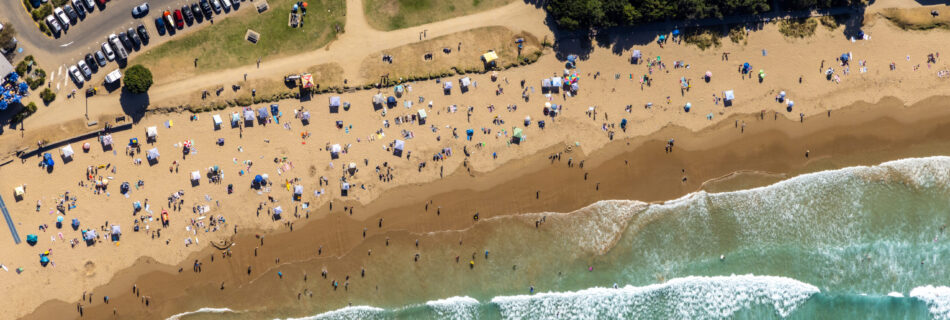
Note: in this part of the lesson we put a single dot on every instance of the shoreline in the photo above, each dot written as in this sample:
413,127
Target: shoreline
859,134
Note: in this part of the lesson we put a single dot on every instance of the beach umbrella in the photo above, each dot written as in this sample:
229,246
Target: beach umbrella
75,223
59,219
708,74
3,104
687,107
24,87
258,179
844,57
85,146
676,32
13,77
305,4
44,260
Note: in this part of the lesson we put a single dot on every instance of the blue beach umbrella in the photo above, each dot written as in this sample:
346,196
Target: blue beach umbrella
24,88
13,77
3,104
676,32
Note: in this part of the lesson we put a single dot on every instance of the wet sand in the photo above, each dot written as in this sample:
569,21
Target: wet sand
636,168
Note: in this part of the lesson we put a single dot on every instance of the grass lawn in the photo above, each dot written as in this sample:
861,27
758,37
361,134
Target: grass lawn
398,14
409,61
222,45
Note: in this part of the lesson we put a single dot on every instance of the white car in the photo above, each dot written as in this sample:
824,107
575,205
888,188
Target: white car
53,24
226,4
108,51
141,10
63,18
77,77
85,69
90,4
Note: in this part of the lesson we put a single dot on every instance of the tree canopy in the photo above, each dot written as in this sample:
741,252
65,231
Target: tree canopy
137,79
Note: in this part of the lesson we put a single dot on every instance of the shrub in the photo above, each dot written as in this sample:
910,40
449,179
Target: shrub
47,95
137,79
798,28
24,113
40,13
22,68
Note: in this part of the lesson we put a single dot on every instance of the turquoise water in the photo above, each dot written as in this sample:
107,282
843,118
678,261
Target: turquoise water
860,242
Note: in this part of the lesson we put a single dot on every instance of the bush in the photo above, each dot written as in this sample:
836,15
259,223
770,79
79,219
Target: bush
24,113
798,28
59,3
704,39
22,68
137,79
47,95
40,13
28,5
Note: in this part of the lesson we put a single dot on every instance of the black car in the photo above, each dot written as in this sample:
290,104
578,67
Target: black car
160,25
91,61
143,33
186,11
206,8
196,9
80,10
134,37
125,41
71,13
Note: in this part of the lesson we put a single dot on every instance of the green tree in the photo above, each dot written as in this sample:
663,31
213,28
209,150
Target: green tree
137,79
6,36
47,95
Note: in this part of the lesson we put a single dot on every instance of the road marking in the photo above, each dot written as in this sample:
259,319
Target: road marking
66,45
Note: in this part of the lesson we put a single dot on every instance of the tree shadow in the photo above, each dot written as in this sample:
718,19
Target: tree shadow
133,105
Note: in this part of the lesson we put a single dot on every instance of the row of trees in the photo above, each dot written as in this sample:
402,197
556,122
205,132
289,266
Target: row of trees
581,14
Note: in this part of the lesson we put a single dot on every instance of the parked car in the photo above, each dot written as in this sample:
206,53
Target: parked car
140,10
205,8
90,60
101,58
186,11
226,4
90,4
179,20
102,3
108,51
160,25
143,33
169,22
196,9
53,24
134,37
80,8
77,77
73,17
85,69
63,18
125,41
216,5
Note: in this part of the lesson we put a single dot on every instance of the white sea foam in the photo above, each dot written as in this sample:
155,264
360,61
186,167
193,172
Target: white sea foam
937,299
202,310
895,294
348,313
681,298
455,308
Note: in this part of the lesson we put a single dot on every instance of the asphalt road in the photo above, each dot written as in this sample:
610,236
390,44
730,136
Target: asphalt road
85,36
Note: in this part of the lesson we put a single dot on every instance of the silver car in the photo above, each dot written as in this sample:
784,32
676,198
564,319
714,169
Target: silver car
108,51
85,69
77,77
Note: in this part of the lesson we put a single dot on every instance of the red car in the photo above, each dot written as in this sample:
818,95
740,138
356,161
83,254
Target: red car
179,20
102,2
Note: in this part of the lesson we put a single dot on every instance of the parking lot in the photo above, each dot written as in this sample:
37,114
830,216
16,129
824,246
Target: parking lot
85,36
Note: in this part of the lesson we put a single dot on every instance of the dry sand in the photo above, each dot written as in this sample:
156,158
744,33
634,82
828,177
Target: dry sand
706,149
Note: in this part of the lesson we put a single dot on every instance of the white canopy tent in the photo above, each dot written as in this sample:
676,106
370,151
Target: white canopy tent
399,145
729,95
298,189
195,176
116,230
335,101
335,149
248,115
465,82
235,118
217,120
67,151
447,85
107,140
422,114
151,132
152,154
305,116
379,99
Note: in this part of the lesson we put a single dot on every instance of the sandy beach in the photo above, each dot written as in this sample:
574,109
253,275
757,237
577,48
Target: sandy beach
433,191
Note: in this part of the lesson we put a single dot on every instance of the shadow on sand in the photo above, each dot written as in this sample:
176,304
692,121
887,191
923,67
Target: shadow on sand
133,105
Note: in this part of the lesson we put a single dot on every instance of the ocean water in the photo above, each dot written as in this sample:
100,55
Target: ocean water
854,243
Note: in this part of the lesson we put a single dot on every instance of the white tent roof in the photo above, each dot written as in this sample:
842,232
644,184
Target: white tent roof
637,54
116,229
235,117
422,113
152,154
107,140
217,119
465,81
335,148
447,85
335,101
556,81
195,175
151,132
305,115
248,115
345,186
278,210
67,151
400,145
379,99
729,94
298,189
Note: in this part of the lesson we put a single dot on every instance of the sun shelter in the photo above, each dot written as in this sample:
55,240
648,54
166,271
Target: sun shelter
306,80
378,100
248,115
152,155
18,192
262,113
447,87
422,116
391,102
398,90
277,211
151,133
728,97
67,152
235,119
298,192
344,189
334,104
106,140
75,223
31,239
195,177
305,117
258,180
489,58
398,147
518,135
335,151
116,232
636,56
217,121
48,160
546,84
